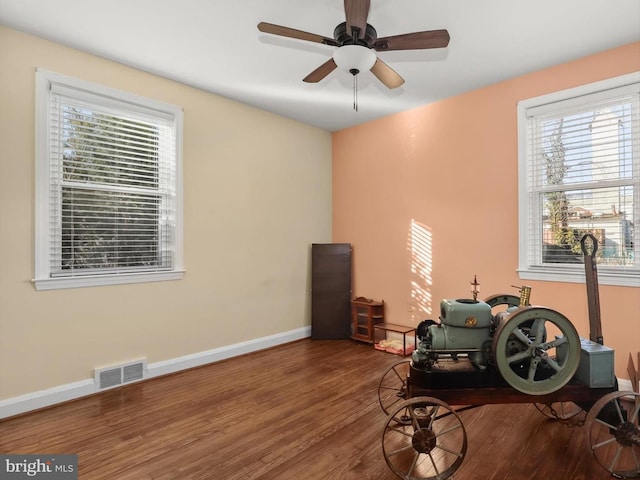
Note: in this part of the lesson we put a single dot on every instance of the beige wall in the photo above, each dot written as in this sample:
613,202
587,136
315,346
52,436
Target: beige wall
257,193
429,198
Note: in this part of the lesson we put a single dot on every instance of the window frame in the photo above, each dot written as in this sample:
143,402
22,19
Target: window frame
565,272
123,102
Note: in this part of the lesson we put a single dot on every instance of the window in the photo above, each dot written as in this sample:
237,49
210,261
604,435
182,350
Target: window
108,192
579,169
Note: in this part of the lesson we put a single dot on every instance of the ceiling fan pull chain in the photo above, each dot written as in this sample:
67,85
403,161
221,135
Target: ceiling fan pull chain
355,92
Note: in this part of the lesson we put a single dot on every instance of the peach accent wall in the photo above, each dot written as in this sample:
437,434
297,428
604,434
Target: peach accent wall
429,198
257,194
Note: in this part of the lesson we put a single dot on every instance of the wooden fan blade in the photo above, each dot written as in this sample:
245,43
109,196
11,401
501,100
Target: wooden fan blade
293,33
356,12
413,41
321,72
386,74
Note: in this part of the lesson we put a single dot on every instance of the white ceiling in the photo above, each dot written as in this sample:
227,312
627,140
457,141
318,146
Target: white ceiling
215,45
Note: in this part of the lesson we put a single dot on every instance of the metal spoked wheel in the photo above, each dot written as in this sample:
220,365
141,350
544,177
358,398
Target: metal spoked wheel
536,350
393,388
559,410
614,436
431,446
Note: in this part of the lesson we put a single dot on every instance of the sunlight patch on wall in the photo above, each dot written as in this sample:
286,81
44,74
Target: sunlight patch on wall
420,244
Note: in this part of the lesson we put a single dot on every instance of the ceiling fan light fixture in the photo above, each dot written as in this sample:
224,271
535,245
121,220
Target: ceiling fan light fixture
354,58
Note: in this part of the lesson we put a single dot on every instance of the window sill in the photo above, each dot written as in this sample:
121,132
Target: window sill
626,279
102,280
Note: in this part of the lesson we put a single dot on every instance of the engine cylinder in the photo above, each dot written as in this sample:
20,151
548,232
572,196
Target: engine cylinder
465,313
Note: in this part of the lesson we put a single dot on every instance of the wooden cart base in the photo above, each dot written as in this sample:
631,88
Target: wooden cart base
424,437
460,383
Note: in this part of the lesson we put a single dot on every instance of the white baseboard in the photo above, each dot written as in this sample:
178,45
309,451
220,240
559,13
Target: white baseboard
63,393
197,359
44,398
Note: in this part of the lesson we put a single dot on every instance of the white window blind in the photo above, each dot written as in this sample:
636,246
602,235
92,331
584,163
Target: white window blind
579,173
111,194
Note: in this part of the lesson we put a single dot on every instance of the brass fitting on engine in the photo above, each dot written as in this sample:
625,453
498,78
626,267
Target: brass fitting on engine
525,295
475,290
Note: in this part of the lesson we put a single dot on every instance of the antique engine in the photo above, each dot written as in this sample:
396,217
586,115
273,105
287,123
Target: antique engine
535,349
467,326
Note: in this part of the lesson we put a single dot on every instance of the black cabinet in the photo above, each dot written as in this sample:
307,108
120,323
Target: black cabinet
330,291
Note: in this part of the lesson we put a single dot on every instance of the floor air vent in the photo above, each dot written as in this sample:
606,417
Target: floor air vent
120,374
132,372
110,377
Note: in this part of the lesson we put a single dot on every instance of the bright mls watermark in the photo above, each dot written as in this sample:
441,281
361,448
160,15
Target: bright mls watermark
39,467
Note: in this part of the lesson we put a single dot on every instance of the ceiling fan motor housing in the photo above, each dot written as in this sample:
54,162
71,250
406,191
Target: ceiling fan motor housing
343,38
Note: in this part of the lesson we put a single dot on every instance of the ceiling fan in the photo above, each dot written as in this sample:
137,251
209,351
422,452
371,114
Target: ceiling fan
356,41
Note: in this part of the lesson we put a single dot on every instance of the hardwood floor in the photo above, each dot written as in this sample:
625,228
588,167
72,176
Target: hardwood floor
305,410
